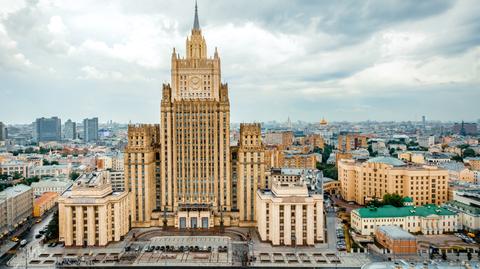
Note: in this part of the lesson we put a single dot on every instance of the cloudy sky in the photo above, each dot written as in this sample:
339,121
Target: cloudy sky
342,60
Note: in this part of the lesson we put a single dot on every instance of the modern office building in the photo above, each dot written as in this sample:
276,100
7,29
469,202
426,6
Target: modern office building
90,130
70,130
91,214
291,212
361,182
48,129
16,205
3,131
465,128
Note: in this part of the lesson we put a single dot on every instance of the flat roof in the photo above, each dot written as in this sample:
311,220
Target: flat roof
396,232
390,211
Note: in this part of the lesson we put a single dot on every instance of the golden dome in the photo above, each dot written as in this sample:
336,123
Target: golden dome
323,122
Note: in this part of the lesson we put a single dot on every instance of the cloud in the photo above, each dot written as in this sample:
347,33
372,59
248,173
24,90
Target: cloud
339,59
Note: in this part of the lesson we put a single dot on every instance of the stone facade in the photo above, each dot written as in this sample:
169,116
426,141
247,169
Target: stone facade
363,181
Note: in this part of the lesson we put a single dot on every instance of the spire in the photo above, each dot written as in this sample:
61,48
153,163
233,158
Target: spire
196,24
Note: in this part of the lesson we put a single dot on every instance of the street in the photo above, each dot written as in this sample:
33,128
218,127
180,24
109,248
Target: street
33,246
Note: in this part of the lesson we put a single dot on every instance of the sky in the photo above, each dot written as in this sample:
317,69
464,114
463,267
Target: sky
307,60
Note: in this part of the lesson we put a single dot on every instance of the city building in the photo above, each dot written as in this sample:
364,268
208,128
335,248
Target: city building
14,167
361,182
283,139
428,219
90,130
249,163
467,204
396,240
3,131
16,205
117,178
49,170
57,184
141,179
44,203
70,130
351,141
91,214
291,212
307,161
48,129
316,140
465,128
180,174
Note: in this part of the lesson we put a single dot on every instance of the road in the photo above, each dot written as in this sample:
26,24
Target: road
34,245
331,230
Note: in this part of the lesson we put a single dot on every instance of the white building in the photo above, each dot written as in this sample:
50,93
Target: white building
57,184
16,205
428,219
467,204
12,167
291,213
49,170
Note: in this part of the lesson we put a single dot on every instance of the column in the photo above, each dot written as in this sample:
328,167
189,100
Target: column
298,224
91,226
287,225
69,226
79,225
310,224
102,225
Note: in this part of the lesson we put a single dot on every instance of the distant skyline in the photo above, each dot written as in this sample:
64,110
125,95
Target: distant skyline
307,60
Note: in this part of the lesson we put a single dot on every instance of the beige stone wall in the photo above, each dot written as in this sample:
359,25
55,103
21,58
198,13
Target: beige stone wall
250,172
361,182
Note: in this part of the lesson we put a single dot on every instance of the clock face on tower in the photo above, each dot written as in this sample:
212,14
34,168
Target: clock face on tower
195,83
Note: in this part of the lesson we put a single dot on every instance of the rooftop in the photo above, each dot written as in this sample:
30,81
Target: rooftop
390,211
387,160
396,232
14,191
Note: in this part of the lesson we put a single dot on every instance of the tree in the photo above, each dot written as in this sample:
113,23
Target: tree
468,153
17,175
52,228
74,175
30,180
469,256
444,255
327,150
329,170
457,158
375,202
393,199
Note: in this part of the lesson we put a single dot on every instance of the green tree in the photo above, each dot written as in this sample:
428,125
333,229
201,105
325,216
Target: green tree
457,158
375,202
327,150
52,228
17,175
468,153
30,180
393,199
329,170
74,175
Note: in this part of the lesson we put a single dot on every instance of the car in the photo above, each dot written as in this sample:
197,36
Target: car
38,221
23,243
15,239
38,236
157,247
127,248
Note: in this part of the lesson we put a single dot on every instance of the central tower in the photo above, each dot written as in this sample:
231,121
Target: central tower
194,158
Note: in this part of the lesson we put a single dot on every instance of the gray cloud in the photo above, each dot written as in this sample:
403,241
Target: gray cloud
343,60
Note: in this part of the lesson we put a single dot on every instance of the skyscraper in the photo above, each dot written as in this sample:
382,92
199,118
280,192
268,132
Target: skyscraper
3,131
48,129
187,157
70,130
194,136
90,130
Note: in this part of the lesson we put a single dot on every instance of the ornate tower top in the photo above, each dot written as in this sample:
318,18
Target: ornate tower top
196,24
196,46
